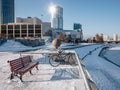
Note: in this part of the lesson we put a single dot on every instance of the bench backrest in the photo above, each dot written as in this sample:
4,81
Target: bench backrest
26,60
19,63
15,64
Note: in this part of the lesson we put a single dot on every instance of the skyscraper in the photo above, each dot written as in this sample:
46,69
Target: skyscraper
6,11
56,17
115,37
77,26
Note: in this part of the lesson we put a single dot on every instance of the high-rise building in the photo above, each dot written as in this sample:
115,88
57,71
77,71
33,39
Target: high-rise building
6,11
77,26
115,37
106,38
57,17
46,26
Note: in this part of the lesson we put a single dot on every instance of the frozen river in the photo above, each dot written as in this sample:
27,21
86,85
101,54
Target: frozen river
105,74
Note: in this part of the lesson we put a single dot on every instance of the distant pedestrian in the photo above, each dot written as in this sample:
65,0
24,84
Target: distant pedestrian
76,41
56,43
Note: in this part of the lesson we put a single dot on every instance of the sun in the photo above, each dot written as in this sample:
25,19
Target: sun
52,9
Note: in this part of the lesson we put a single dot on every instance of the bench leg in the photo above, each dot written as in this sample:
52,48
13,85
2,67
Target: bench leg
11,76
21,78
30,72
37,67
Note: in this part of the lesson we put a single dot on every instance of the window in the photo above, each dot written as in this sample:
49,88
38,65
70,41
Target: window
10,26
17,35
31,31
24,26
17,31
24,31
24,35
10,31
3,31
17,26
38,31
37,26
3,27
30,26
31,35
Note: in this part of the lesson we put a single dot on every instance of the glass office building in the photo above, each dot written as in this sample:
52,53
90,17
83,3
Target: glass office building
57,18
6,11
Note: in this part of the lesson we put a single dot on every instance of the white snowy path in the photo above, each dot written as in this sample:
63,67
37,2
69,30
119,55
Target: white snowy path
105,74
64,77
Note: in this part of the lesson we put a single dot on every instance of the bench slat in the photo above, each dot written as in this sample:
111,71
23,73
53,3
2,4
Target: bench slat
26,60
16,64
27,68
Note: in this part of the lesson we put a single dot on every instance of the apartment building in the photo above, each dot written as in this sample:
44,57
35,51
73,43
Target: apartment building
20,30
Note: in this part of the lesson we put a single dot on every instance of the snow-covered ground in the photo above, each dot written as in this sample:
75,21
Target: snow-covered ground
11,46
64,77
105,74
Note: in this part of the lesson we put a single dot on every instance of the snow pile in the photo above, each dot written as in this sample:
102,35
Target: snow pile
11,45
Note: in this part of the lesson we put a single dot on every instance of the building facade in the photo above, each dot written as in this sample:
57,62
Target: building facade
74,34
115,37
57,18
46,27
106,38
6,11
29,20
20,30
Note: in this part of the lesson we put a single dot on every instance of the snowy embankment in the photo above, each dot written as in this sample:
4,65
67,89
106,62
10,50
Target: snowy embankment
12,46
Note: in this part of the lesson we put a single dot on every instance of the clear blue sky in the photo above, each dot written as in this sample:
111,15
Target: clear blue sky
96,16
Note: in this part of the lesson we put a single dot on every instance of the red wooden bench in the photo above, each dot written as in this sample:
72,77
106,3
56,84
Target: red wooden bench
21,65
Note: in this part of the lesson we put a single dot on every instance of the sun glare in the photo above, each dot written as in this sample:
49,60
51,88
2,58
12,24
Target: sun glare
52,9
